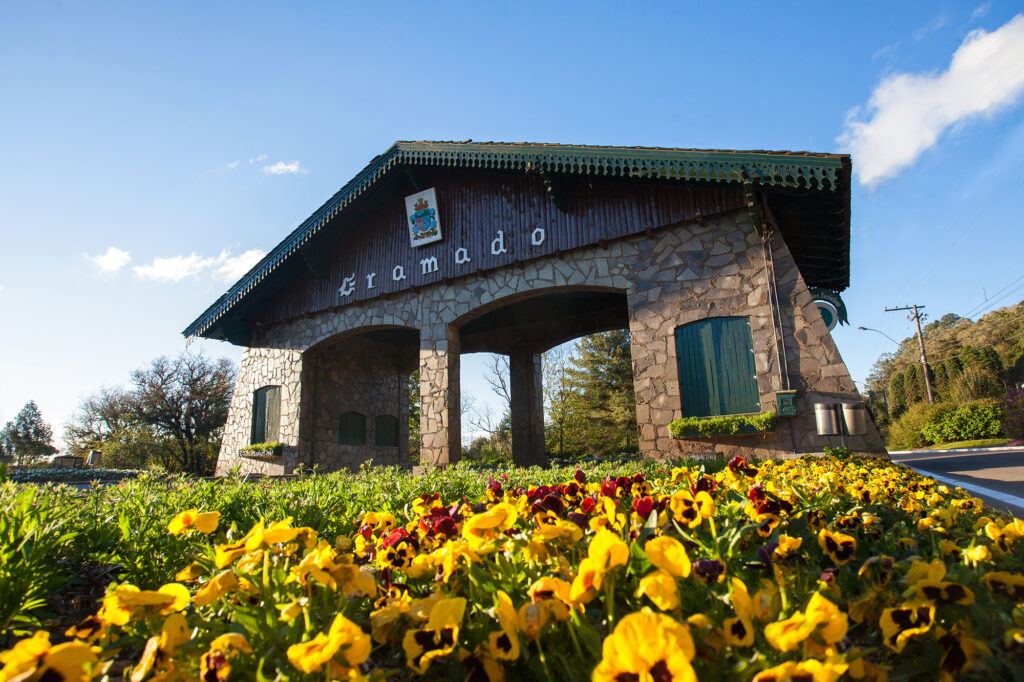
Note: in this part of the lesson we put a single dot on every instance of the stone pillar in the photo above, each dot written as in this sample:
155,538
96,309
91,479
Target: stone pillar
440,418
527,408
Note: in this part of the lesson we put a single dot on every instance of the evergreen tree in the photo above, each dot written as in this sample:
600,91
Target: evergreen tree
602,373
27,438
897,396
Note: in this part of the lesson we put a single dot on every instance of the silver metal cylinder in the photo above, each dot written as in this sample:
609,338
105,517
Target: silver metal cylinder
827,419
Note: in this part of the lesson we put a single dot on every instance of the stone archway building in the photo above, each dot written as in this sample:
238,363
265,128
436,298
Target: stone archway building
536,245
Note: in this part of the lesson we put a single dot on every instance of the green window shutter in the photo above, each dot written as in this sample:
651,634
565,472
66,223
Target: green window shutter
266,415
259,417
272,433
352,429
385,431
716,367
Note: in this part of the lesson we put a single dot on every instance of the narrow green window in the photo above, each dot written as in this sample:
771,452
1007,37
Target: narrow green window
266,415
385,431
716,367
352,429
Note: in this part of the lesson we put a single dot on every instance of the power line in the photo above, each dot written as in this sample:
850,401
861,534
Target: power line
983,304
920,340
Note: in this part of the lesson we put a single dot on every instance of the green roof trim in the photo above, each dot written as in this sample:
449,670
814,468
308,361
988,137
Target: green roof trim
801,170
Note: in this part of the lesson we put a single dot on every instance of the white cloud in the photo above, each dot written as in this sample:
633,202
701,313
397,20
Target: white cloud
231,268
111,261
224,267
282,168
257,158
231,164
173,269
908,112
981,10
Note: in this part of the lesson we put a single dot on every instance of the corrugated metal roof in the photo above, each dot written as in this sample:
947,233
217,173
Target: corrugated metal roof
769,168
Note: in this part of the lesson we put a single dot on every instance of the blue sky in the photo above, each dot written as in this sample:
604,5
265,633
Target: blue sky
149,153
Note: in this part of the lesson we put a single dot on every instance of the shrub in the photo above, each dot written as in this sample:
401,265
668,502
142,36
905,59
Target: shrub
1013,414
969,421
722,426
906,432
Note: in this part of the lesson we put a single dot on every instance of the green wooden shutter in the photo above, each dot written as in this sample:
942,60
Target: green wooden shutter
716,367
352,429
259,417
272,433
385,431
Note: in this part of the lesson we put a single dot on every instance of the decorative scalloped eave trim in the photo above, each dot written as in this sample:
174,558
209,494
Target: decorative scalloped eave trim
816,172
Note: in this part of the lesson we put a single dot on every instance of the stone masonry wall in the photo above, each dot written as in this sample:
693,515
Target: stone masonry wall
671,276
261,367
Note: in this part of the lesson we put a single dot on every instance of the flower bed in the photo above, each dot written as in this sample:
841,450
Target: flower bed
808,569
66,474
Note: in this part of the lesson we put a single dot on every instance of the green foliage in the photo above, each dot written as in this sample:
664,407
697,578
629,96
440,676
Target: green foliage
968,421
33,538
897,396
1013,414
602,374
722,426
905,433
273,446
925,424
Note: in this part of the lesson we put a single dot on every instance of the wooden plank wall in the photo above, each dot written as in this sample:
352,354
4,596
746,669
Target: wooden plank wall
473,205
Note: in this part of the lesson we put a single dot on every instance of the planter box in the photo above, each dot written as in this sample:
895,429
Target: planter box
268,454
745,430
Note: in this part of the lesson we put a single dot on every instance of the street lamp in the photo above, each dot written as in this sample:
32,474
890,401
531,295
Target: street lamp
869,329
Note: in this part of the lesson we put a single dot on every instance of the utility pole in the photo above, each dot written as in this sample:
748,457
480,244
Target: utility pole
916,317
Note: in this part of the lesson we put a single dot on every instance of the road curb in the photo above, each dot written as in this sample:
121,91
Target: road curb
957,451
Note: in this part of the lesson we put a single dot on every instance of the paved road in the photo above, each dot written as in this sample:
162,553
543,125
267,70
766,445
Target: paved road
995,475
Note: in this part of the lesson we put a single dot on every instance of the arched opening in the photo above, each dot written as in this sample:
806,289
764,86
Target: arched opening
524,327
355,405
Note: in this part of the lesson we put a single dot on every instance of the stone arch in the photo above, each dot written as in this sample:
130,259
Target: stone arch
363,370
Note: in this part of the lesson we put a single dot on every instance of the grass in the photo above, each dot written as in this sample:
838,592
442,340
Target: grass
962,444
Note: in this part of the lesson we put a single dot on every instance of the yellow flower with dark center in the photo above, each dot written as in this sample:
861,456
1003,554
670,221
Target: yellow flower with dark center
438,639
669,555
215,664
738,631
660,587
215,588
923,570
901,623
647,646
1006,585
838,546
34,658
692,509
504,644
941,592
959,649
193,519
344,640
399,555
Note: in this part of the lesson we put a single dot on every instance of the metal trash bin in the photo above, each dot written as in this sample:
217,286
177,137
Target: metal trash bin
855,418
826,418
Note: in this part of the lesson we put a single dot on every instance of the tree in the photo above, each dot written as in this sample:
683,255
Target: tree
564,410
602,372
185,401
27,438
173,414
414,416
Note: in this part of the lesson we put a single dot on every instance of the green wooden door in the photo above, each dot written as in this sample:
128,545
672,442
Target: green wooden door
716,367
